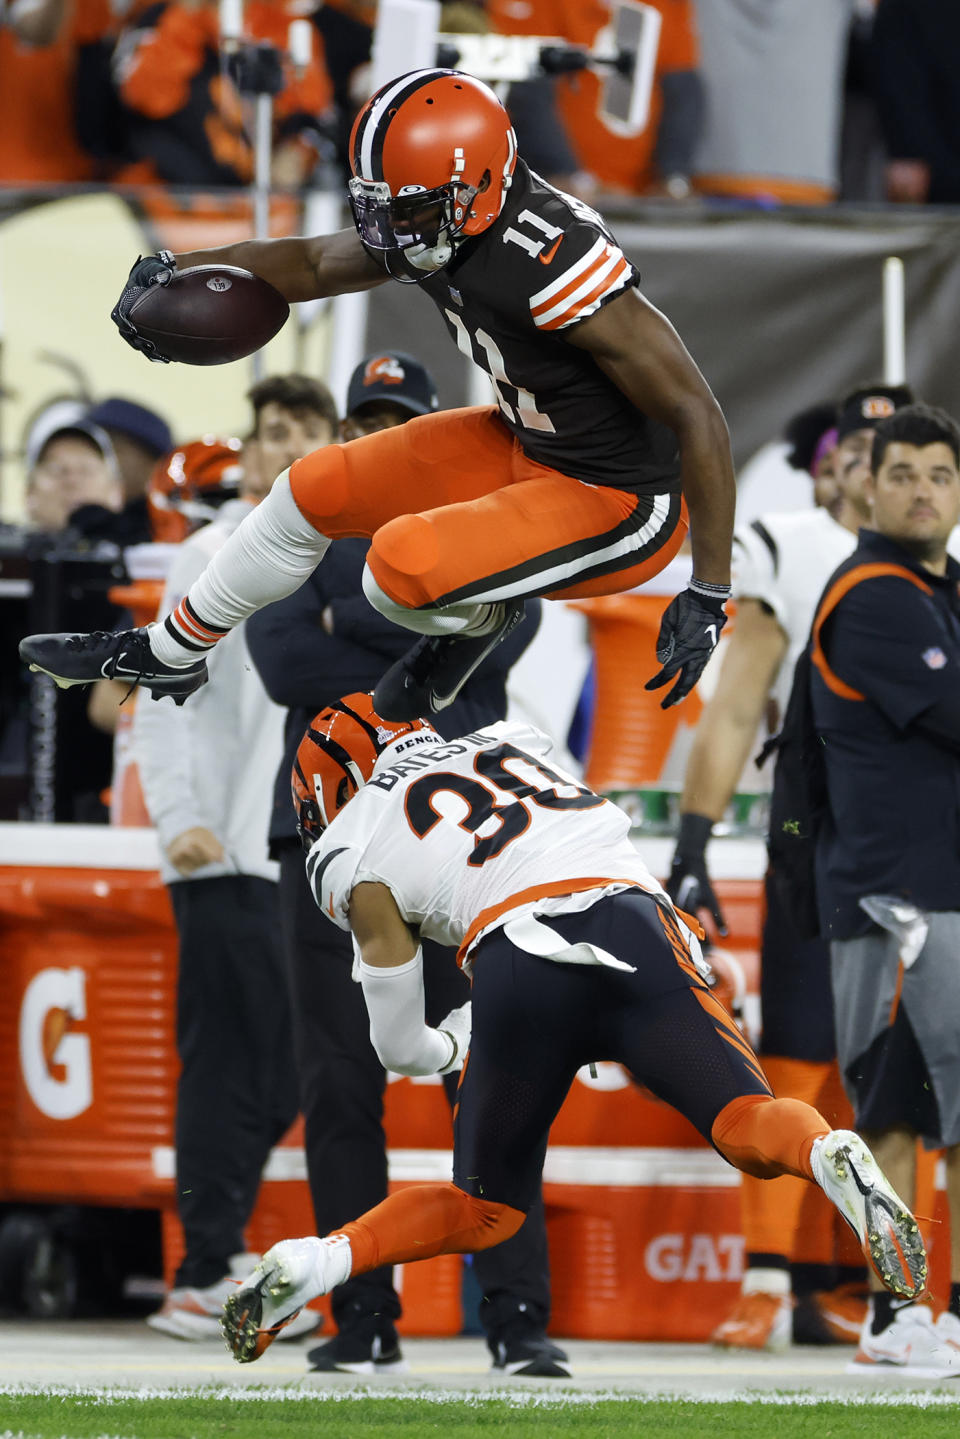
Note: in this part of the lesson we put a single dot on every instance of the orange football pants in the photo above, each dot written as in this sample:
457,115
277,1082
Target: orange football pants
456,512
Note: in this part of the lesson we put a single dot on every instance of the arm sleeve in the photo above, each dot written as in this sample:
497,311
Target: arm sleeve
163,733
399,1032
889,642
756,568
941,722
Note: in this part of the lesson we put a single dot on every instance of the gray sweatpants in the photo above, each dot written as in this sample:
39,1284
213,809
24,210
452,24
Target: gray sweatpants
865,974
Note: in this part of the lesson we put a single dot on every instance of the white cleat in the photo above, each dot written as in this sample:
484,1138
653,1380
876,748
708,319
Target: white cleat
948,1329
911,1344
288,1276
888,1233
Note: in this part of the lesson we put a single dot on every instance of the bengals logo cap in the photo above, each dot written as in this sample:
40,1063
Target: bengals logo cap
867,406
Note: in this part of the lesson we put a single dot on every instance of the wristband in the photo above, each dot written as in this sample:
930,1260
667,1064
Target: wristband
694,832
710,592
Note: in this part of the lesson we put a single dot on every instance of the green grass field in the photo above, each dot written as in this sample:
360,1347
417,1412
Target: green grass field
280,1414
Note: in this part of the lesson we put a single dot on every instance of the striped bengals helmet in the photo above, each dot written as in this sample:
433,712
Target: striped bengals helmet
337,756
432,155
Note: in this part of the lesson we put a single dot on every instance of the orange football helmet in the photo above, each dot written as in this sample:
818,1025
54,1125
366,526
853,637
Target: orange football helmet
336,758
432,155
187,487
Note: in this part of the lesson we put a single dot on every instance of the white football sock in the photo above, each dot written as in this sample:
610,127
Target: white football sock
265,559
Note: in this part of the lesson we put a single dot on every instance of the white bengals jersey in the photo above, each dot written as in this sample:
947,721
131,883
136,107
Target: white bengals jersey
511,299
784,561
468,833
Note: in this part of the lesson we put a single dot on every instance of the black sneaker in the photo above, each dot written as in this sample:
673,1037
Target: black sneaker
431,675
105,654
533,1357
356,1351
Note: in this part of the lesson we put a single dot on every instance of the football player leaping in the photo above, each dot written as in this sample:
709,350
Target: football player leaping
578,482
576,955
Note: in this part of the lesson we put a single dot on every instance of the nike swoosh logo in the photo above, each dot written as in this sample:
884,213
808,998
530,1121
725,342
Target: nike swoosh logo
119,670
548,255
711,630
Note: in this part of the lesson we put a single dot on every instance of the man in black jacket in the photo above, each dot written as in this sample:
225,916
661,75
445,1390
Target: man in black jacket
885,696
322,641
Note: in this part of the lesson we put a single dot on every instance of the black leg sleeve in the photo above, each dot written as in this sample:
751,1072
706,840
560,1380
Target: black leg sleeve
514,1277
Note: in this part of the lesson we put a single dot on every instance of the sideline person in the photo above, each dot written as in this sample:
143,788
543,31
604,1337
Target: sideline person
884,690
207,776
780,564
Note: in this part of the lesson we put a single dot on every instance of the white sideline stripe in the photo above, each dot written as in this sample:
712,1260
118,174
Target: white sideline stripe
629,1168
105,847
78,846
559,1396
572,302
571,273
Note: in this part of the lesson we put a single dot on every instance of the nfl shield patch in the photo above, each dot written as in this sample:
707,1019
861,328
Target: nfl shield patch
934,658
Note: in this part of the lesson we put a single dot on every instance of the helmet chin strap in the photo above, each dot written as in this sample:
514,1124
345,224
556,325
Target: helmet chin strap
424,260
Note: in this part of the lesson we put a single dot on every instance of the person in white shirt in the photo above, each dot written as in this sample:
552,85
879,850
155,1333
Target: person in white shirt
781,564
575,954
207,770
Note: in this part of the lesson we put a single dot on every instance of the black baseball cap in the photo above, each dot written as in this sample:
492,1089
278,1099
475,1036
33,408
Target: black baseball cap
865,407
394,377
127,417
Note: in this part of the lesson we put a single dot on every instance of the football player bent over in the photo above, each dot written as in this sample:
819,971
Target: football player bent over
576,955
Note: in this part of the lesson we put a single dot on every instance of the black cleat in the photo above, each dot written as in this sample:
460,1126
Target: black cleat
126,655
533,1357
365,1349
431,675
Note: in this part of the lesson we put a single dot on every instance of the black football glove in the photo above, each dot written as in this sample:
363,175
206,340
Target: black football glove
148,270
688,635
688,884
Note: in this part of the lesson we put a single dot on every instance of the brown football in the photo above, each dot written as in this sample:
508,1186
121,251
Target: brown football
210,315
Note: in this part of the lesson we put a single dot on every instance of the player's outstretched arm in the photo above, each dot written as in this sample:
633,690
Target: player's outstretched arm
300,267
391,976
720,749
641,352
